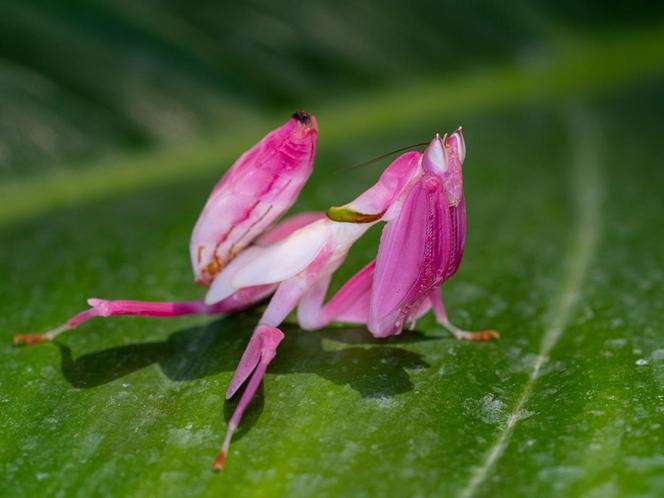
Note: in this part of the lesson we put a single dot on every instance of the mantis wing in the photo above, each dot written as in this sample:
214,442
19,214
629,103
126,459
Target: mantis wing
411,257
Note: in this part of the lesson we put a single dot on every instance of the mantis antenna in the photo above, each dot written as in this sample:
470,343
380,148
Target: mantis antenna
378,158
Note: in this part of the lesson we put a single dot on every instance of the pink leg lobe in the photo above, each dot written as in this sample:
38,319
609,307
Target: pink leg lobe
263,344
351,303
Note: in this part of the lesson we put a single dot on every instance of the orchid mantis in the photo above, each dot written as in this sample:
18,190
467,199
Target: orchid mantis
242,260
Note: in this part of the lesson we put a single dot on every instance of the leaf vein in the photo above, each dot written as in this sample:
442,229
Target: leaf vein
586,184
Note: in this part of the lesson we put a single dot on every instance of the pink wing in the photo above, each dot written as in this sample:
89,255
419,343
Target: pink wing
412,257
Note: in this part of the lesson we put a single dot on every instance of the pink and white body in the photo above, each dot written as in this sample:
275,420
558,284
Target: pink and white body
419,196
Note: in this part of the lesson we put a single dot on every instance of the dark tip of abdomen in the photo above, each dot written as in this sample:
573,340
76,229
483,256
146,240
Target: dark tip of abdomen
302,117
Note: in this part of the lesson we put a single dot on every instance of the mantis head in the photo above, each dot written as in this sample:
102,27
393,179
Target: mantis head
444,158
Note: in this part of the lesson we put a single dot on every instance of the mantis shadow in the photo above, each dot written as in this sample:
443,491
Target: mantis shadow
375,368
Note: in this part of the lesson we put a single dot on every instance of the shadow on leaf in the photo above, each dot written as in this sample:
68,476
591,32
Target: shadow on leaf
345,356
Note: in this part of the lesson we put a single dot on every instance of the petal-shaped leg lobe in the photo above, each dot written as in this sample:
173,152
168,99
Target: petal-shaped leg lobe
283,302
351,303
284,259
260,352
222,286
267,249
248,363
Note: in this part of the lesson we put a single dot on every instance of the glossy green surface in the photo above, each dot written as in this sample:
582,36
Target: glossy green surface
564,183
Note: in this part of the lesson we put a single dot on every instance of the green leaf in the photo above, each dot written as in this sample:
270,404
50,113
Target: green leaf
563,182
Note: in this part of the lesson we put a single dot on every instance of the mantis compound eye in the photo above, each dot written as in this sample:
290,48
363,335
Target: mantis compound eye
434,159
458,144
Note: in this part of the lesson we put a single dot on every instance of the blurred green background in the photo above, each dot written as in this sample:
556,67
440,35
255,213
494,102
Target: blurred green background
116,119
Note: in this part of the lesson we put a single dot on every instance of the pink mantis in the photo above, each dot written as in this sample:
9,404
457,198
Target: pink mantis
242,260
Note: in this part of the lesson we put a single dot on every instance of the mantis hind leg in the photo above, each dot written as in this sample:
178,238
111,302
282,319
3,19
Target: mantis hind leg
436,299
105,308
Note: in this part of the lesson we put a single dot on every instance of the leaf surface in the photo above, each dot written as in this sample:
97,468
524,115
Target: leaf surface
563,182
